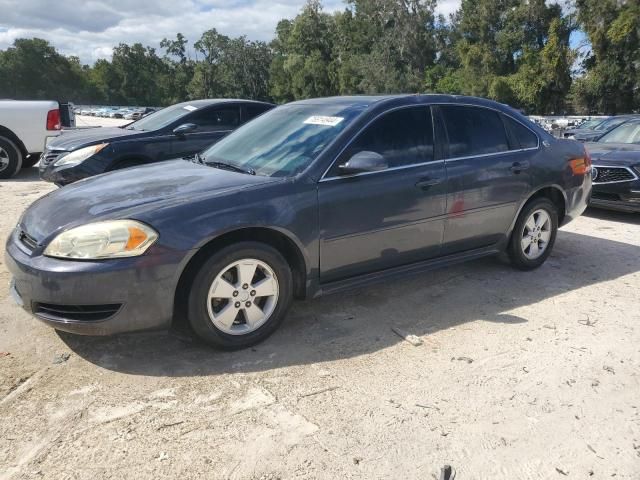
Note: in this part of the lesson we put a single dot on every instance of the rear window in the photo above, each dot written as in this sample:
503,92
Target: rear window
473,131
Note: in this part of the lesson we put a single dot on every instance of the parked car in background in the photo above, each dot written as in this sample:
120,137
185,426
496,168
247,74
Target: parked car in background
616,168
137,114
177,131
120,113
312,197
590,135
25,128
585,127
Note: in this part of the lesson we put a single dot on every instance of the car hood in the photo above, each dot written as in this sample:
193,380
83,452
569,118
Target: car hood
128,193
588,134
624,154
577,131
71,140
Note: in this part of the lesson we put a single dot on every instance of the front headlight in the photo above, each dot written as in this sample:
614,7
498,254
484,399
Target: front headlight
110,239
80,155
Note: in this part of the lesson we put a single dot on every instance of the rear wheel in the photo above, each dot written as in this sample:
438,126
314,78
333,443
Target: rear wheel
240,295
10,158
534,234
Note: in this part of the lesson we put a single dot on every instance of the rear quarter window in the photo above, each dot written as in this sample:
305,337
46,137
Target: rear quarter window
525,137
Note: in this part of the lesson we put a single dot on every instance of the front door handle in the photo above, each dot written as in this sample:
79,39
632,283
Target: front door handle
426,183
518,167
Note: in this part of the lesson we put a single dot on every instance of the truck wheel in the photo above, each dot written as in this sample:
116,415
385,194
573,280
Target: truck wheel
10,158
31,160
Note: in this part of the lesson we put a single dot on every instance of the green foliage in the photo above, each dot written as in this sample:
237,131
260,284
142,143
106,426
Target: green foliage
611,80
512,51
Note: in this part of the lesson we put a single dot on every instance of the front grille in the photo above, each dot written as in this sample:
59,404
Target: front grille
50,156
77,313
612,174
27,240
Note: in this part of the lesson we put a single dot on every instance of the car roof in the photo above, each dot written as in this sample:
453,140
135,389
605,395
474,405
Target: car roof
408,98
214,101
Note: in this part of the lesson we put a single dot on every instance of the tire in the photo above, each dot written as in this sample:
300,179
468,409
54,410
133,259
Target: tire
258,316
10,158
522,251
31,160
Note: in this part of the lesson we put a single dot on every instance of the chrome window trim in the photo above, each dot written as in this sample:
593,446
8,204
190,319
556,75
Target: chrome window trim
324,178
628,169
392,169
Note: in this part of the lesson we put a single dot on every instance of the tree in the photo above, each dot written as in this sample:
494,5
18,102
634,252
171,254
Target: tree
611,82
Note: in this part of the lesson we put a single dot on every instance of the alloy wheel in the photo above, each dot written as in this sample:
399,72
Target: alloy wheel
243,296
536,234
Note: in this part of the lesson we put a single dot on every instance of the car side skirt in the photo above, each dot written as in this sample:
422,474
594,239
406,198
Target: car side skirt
403,271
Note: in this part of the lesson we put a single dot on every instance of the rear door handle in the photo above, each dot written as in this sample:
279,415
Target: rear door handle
518,167
426,183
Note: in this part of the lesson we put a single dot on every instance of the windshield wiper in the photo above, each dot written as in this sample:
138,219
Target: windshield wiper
228,166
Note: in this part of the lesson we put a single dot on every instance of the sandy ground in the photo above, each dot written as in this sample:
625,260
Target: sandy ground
520,376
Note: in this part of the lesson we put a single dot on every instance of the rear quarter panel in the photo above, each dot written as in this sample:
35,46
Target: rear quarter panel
28,120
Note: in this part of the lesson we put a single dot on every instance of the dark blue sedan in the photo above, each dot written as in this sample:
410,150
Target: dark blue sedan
310,198
177,131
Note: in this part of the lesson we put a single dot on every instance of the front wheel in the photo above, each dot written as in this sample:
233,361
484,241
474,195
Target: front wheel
240,295
534,234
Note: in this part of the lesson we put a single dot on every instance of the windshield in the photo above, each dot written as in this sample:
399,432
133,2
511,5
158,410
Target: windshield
626,133
283,141
589,124
611,123
161,118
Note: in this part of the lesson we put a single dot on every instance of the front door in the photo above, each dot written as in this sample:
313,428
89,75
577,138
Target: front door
375,220
488,177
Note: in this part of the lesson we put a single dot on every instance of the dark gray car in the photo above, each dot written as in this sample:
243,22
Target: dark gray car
310,198
592,134
616,168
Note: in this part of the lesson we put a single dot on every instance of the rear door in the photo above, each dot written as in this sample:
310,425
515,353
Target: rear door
213,123
377,220
488,176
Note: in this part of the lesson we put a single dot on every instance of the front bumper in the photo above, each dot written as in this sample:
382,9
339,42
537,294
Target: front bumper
621,196
64,175
95,297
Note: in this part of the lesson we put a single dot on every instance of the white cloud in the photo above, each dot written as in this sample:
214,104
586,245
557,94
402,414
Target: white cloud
91,28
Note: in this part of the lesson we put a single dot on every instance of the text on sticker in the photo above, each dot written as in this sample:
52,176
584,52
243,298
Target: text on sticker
320,120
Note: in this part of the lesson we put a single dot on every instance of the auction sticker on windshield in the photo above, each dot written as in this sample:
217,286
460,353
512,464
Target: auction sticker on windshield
320,120
191,108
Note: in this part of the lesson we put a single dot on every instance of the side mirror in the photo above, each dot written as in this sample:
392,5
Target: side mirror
185,128
364,161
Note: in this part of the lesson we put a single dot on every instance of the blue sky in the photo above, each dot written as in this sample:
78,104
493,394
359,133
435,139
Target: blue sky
91,28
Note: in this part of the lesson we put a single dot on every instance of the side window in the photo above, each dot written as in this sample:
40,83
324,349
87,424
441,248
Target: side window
216,119
525,137
473,131
403,137
252,111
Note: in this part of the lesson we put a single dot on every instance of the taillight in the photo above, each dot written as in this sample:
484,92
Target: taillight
581,166
53,120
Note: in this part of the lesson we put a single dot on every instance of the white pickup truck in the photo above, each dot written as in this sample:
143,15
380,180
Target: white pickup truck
24,129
